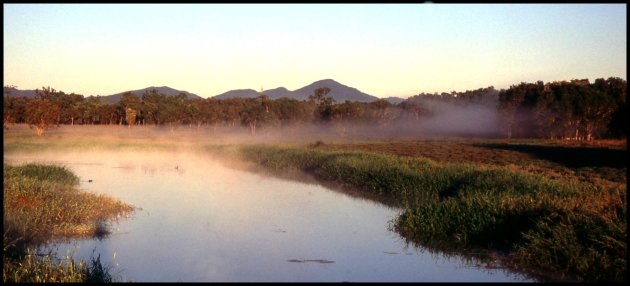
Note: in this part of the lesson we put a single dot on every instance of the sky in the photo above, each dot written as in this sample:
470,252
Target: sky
381,49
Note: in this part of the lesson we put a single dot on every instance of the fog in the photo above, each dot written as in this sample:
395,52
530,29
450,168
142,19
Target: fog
474,120
421,117
199,221
214,223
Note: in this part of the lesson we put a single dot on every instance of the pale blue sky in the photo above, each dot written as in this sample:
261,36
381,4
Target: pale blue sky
383,50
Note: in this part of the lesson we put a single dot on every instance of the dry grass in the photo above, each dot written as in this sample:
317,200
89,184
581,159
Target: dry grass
42,203
559,206
511,154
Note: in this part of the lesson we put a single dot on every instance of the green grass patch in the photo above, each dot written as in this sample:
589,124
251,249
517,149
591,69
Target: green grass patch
572,229
42,203
47,144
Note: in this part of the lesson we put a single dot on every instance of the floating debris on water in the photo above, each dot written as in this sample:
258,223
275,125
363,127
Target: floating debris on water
311,260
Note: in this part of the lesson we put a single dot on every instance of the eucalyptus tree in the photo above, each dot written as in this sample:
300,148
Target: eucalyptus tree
14,109
150,107
127,108
324,110
42,114
256,112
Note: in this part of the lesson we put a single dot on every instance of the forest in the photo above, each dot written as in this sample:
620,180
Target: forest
575,110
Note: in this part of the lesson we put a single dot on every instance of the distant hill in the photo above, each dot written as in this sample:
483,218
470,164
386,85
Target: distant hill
250,93
394,100
278,93
162,89
16,92
243,93
339,92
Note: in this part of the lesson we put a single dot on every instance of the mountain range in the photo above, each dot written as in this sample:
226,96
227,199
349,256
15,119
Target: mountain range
109,98
162,89
11,91
339,92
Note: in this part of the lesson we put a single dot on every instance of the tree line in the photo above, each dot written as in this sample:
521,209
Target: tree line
573,109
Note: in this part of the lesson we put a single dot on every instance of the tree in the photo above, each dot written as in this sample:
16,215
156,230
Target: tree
413,108
92,110
150,111
381,111
108,112
197,111
597,110
256,113
172,110
42,114
211,112
546,115
131,102
130,116
14,107
616,88
69,105
324,103
516,108
231,110
290,111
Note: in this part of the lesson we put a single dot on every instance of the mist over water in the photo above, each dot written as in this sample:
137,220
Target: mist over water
200,221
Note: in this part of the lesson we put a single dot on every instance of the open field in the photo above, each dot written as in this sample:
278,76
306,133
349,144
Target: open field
555,159
556,209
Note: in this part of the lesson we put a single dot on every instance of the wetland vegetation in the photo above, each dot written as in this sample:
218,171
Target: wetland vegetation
558,229
508,200
548,198
42,203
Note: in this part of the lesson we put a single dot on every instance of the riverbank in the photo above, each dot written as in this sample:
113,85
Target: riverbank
559,230
43,203
556,209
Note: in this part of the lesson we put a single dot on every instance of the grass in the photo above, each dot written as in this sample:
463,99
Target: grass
33,268
556,229
595,162
30,144
42,203
556,209
20,138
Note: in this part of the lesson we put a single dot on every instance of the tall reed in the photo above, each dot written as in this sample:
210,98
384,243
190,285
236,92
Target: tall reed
42,203
571,229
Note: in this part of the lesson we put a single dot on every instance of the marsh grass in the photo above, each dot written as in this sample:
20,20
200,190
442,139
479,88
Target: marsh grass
557,229
550,215
42,203
34,144
533,156
36,268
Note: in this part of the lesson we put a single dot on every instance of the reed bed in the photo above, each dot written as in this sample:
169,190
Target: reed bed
558,230
42,203
555,209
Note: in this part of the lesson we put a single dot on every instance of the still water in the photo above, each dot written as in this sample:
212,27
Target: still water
198,220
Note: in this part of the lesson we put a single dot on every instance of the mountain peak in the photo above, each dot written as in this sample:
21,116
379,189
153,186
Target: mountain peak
168,91
327,81
339,92
243,93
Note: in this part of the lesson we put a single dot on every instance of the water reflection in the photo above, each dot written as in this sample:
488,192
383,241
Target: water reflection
201,221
